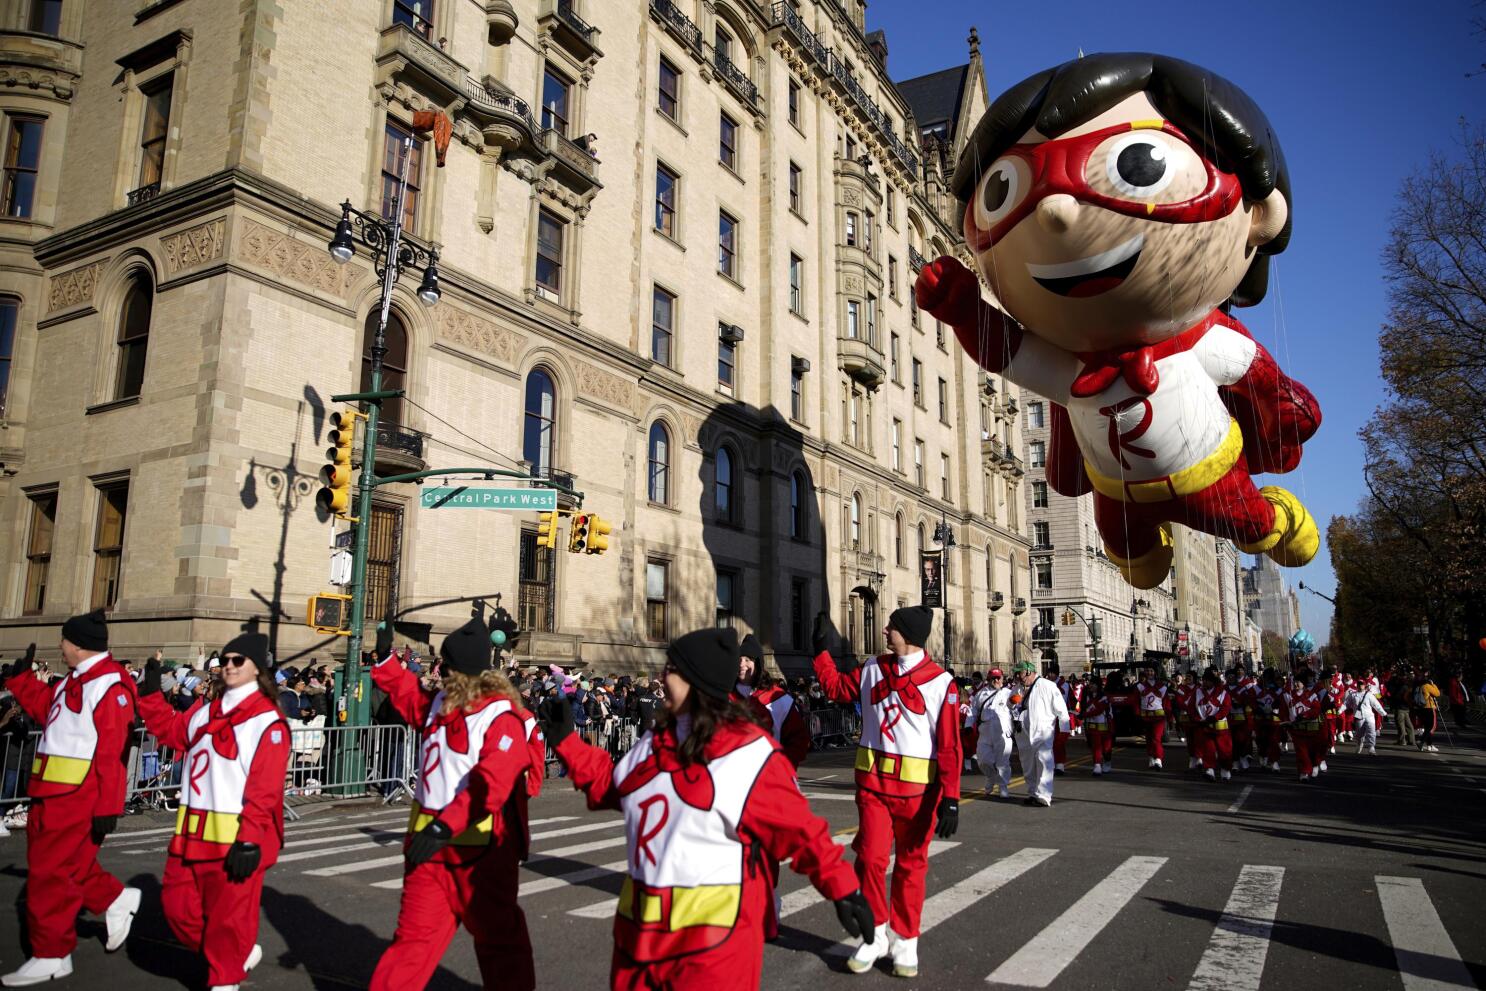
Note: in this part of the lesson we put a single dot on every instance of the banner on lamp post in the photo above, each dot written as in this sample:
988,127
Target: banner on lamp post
931,578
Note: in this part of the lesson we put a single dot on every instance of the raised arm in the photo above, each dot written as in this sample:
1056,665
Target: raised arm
403,691
591,769
32,693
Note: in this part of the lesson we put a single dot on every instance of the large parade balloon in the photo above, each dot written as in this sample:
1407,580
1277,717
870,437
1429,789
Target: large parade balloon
1116,208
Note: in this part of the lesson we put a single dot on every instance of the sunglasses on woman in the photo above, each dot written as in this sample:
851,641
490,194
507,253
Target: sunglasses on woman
236,660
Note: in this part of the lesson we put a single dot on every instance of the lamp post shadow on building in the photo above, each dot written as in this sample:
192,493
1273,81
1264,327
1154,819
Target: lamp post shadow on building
763,527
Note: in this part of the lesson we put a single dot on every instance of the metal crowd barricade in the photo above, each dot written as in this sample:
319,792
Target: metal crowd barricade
833,727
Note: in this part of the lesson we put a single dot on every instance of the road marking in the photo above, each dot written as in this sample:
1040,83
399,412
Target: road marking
844,948
340,832
146,836
972,889
579,848
1234,959
816,796
349,848
1039,962
571,830
354,867
575,877
1427,959
1238,802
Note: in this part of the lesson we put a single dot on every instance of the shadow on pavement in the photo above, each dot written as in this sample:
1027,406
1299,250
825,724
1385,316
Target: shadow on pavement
152,947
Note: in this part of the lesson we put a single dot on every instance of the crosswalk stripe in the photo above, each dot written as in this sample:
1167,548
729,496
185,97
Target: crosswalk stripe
339,832
565,851
805,896
1039,962
571,830
1234,960
961,895
1242,795
381,836
355,867
1427,958
816,796
391,838
149,836
844,948
574,877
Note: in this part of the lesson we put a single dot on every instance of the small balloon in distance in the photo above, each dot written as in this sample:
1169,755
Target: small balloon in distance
498,637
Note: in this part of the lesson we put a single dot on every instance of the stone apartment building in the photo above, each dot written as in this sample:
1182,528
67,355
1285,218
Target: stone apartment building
678,240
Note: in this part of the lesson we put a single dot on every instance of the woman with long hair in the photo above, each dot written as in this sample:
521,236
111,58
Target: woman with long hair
1098,717
467,832
230,824
707,797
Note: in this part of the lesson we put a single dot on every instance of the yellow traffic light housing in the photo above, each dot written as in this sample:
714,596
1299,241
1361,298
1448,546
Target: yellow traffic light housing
330,613
547,530
578,536
335,496
598,534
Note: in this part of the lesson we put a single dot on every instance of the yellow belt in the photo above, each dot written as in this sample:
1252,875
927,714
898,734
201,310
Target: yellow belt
477,834
1309,724
914,770
210,827
1153,712
1185,482
1239,717
60,770
1221,724
704,905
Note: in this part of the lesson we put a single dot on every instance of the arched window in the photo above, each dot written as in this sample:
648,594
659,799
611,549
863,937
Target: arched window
134,335
798,518
660,463
539,427
856,522
394,362
921,544
722,489
898,540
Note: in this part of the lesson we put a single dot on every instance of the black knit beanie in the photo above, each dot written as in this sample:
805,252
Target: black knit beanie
914,622
253,646
707,659
467,649
88,631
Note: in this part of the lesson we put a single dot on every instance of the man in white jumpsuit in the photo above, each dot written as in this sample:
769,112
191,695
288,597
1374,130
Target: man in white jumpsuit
1037,717
1367,714
990,715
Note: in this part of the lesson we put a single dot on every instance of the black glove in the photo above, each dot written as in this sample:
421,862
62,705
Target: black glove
102,826
557,719
428,841
949,817
384,639
149,684
855,915
242,860
823,639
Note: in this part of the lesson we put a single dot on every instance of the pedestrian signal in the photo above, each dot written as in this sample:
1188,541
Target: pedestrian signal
598,534
335,496
578,536
330,613
547,530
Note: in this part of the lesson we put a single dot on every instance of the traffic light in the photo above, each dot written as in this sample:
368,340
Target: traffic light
330,613
578,536
547,530
335,497
598,534
503,631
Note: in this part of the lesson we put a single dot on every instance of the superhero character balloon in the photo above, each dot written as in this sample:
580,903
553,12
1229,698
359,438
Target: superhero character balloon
1117,207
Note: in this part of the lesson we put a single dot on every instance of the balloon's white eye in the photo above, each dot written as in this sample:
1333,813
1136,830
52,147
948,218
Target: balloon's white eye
1137,165
1001,189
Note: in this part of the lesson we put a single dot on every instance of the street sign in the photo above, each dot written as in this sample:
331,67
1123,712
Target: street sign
340,568
464,497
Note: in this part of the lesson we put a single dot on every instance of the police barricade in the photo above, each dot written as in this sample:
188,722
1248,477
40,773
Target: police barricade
834,727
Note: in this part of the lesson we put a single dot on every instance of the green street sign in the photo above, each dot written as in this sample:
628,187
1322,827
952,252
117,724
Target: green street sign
517,500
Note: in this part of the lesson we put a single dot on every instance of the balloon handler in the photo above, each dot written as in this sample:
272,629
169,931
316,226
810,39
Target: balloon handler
1118,206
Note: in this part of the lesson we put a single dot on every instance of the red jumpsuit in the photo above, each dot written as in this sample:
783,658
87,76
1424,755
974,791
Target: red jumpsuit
1241,720
1098,717
473,768
908,758
1152,701
777,708
237,752
1268,716
1305,708
1207,728
1060,738
702,830
78,773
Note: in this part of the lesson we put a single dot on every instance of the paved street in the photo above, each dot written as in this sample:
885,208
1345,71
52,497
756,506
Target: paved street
1374,879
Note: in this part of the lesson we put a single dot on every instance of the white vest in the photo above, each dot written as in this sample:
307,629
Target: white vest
890,727
444,771
212,787
1152,697
991,712
70,739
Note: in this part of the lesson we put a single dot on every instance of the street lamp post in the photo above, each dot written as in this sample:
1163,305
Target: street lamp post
390,255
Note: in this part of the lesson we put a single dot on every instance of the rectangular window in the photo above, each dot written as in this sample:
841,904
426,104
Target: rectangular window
853,319
872,320
662,325
727,363
665,200
796,284
918,383
894,368
797,395
854,404
794,187
670,90
22,160
1035,414
727,142
383,559
727,244
108,545
939,334
39,552
794,103
918,462
1039,495
943,401
913,310
1045,616
1037,453
892,205
418,15
551,229
944,476
727,582
392,149
1042,573
9,310
556,91
154,131
657,589
892,276
537,585
851,148
45,17
897,440
1042,534
868,222
799,600
851,229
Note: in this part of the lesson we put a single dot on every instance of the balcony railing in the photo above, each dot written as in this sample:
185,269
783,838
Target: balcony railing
576,24
916,261
1018,606
144,193
735,79
678,24
484,99
998,599
394,438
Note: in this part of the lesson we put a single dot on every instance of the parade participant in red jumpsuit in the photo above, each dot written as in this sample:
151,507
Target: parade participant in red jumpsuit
230,823
467,832
78,782
1061,736
1180,714
707,795
907,774
1152,692
1208,721
1098,719
1240,720
1269,717
1304,708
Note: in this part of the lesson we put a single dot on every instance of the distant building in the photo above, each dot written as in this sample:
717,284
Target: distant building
1268,601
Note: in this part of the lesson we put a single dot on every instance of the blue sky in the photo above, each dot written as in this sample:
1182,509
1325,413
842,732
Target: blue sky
1359,93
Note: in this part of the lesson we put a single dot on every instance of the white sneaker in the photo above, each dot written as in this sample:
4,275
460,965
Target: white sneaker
905,956
1315,772
4,832
38,970
1108,768
119,917
1323,766
1150,762
1333,750
1433,749
869,953
1097,770
226,987
1275,767
1227,775
1157,764
253,958
1243,763
1005,792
